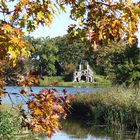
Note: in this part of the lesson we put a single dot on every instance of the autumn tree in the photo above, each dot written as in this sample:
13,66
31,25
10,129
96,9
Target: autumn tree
102,22
106,20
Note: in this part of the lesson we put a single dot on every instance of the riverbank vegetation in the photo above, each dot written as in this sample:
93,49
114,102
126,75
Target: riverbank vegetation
117,107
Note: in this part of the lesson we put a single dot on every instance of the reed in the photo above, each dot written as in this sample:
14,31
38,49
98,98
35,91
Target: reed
116,107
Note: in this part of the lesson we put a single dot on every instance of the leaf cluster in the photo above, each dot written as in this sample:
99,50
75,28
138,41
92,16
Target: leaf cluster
47,109
102,21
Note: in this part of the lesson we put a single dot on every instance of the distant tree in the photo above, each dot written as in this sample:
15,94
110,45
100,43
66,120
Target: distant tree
69,51
120,62
44,56
126,66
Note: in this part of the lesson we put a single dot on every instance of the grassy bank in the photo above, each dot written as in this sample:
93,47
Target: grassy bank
116,107
58,81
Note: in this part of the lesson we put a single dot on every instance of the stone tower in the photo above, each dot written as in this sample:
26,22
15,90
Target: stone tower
84,73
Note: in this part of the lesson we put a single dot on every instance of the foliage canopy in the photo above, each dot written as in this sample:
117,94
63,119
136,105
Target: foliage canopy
102,21
44,57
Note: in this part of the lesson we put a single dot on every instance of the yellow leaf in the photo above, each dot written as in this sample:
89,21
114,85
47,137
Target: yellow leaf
130,40
127,1
11,17
100,35
115,22
80,21
25,16
24,52
7,28
40,15
37,112
12,53
14,40
24,1
49,17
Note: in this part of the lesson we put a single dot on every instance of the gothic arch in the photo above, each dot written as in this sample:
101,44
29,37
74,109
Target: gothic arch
83,78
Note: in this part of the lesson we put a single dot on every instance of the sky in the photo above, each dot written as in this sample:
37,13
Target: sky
58,28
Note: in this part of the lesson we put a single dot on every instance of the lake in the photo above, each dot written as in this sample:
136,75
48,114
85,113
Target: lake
16,98
74,129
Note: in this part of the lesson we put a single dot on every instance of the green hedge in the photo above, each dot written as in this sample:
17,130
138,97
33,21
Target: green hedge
101,79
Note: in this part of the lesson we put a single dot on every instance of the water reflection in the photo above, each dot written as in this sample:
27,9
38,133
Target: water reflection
80,130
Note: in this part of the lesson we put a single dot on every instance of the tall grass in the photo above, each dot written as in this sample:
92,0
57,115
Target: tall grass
116,107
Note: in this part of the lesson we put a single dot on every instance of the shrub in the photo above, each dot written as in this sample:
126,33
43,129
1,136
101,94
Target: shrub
8,125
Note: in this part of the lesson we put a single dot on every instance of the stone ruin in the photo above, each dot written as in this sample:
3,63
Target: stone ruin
84,73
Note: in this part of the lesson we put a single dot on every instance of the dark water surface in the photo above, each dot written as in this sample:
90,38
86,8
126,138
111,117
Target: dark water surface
74,129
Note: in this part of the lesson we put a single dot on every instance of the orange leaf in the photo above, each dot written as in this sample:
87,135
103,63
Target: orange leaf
37,112
31,105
